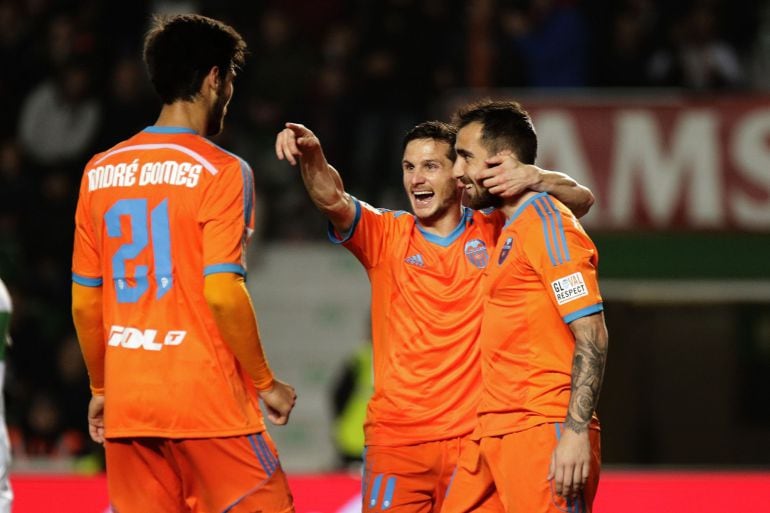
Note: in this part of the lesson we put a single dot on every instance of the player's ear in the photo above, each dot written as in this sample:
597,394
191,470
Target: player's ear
212,80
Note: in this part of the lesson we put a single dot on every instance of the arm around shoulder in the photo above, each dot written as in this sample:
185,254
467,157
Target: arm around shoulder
578,198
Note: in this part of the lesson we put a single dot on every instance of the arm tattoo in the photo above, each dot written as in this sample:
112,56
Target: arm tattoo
587,371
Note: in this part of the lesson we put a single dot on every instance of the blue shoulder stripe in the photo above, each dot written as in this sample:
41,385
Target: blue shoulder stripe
248,189
546,233
552,225
561,228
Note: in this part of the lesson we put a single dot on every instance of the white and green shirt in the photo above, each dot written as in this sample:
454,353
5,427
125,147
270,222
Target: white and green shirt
5,318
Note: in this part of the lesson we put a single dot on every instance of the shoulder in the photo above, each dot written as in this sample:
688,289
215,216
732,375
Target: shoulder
388,215
219,157
486,216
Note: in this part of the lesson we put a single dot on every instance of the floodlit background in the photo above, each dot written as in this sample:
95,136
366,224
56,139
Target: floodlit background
661,108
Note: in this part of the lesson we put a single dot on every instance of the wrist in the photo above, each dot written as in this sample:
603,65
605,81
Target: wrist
539,184
264,385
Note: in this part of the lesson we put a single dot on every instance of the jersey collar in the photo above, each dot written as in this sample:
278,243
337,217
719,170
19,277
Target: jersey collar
453,235
154,129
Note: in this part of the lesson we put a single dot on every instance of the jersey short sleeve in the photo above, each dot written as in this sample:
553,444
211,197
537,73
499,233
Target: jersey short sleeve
565,259
367,235
86,261
227,217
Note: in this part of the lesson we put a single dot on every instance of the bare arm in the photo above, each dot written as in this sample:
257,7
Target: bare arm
322,181
571,460
591,343
508,177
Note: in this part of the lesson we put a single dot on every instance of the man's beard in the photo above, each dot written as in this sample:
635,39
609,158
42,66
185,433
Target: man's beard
481,199
217,114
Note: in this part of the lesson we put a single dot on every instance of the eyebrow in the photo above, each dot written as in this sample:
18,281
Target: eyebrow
463,153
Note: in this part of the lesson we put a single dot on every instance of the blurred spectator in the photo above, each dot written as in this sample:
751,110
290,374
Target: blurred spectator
760,58
623,61
14,191
697,58
352,390
60,118
550,40
128,107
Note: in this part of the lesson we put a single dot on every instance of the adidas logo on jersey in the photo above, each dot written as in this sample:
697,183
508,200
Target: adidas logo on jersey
415,260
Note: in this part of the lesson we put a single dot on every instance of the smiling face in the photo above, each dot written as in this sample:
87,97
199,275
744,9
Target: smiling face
471,156
428,181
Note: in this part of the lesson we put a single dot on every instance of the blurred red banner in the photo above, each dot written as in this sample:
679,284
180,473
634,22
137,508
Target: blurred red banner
626,491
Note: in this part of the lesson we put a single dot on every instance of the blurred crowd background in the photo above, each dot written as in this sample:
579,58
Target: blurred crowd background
359,73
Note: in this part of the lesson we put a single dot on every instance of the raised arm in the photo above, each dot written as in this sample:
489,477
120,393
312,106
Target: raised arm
322,181
571,461
507,177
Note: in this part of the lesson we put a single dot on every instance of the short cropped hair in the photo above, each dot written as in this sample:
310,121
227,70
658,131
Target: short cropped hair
179,51
505,126
436,130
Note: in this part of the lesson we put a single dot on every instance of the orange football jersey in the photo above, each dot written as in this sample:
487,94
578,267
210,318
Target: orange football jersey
157,213
541,277
426,317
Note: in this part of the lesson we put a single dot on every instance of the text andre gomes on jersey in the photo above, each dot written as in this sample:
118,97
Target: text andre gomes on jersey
128,174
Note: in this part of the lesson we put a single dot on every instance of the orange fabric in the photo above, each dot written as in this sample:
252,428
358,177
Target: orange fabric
542,275
516,466
415,478
87,317
238,474
155,214
426,316
229,300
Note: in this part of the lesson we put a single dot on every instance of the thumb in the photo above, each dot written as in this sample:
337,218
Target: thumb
551,467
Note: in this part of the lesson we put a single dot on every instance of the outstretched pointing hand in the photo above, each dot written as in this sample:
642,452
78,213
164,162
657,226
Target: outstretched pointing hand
296,141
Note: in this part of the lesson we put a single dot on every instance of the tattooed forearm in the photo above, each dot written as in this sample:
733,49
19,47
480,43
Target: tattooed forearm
587,370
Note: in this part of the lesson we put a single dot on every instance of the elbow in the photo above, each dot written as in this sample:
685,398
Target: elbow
219,294
218,304
585,206
86,305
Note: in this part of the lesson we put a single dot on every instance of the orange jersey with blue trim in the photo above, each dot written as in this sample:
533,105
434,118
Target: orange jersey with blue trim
541,276
426,317
156,214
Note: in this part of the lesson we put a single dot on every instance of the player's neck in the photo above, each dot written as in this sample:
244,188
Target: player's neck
511,205
184,114
444,225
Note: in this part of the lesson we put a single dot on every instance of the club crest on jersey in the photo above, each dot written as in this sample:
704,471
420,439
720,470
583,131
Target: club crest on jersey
506,249
476,251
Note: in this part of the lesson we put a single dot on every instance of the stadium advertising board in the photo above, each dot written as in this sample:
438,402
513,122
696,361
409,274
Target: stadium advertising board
660,163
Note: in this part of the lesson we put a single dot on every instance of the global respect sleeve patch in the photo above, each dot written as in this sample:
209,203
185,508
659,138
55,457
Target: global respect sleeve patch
569,288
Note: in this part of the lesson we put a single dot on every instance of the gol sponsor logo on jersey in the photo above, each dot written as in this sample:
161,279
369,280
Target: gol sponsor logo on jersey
134,338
